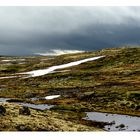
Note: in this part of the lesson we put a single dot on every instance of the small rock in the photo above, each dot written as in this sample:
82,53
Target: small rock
113,122
120,126
117,127
24,111
22,127
85,96
2,110
137,107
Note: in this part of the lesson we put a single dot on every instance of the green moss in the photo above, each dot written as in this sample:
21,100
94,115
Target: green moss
133,95
12,68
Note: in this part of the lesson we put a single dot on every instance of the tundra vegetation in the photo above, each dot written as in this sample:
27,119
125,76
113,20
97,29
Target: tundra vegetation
109,84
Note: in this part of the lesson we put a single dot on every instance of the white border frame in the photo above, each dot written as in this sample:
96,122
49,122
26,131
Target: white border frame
69,2
73,135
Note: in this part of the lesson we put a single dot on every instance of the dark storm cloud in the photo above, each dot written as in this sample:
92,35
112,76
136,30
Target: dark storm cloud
29,30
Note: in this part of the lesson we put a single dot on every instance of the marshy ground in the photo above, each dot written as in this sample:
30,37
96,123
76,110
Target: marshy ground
109,84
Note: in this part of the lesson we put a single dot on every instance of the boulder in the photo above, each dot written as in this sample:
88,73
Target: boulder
24,111
120,126
85,96
2,110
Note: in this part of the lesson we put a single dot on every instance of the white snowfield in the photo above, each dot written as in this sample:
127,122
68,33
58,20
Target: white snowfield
7,77
36,73
6,60
52,69
51,97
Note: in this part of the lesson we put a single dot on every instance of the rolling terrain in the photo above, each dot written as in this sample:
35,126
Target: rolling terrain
108,84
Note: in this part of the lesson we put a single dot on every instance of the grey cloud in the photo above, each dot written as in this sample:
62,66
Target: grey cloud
29,30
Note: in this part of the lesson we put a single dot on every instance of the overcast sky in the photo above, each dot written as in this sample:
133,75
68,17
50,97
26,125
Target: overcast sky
29,30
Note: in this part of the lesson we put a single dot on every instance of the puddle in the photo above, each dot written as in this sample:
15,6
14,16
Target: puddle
120,122
35,99
34,106
4,99
37,106
117,122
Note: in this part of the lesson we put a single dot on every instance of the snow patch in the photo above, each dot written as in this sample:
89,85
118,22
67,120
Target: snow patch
51,97
8,77
52,69
36,73
12,60
6,60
